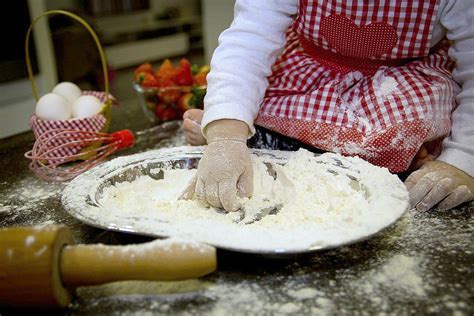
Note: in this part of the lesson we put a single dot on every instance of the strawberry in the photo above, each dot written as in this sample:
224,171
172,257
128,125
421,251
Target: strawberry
200,79
165,113
169,114
169,93
184,102
149,80
166,82
146,67
139,77
183,76
159,109
141,70
165,72
169,96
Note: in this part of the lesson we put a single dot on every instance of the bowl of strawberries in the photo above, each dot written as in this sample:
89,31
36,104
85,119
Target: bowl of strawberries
167,92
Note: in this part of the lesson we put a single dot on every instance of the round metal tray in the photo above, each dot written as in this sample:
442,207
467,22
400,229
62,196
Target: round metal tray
81,198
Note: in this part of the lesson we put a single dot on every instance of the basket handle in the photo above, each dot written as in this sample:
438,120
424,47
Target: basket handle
88,28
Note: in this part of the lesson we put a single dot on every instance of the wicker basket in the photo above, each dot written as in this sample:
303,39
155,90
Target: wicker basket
96,123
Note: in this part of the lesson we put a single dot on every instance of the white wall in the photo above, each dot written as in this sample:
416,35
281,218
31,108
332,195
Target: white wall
16,98
217,16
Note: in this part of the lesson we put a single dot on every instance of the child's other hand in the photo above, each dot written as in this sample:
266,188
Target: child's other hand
422,157
192,127
439,182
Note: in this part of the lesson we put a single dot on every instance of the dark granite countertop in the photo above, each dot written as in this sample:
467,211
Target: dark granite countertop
422,265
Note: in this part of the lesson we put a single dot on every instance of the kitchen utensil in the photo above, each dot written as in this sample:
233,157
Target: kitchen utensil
81,199
39,266
47,164
247,218
271,210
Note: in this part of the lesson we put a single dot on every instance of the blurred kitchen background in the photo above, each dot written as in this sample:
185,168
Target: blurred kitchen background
131,31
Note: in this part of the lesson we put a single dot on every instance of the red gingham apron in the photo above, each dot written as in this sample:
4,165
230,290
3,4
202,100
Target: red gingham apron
359,78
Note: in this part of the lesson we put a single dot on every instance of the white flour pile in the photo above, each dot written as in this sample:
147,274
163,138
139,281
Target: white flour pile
325,200
386,86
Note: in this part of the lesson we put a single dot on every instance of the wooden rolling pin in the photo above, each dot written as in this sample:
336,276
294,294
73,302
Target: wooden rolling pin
41,266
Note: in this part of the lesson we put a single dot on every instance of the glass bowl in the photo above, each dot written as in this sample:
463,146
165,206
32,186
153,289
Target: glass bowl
168,104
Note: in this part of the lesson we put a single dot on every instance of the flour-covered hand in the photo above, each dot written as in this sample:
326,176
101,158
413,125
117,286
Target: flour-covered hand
224,173
439,183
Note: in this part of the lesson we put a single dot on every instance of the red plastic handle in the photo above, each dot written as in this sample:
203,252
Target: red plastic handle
123,138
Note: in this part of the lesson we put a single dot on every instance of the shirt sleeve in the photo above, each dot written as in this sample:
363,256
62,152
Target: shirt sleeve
458,19
243,59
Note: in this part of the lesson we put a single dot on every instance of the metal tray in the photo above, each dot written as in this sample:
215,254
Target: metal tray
81,196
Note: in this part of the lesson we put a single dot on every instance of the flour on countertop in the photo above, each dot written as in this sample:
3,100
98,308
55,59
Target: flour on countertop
325,200
401,272
330,283
26,202
304,293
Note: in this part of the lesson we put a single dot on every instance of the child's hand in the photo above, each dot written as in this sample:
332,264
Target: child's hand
192,127
225,171
422,157
439,182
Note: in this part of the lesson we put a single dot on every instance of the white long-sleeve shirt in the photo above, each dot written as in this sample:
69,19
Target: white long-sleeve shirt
249,47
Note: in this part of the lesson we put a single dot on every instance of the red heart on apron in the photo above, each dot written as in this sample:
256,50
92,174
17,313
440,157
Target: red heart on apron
348,39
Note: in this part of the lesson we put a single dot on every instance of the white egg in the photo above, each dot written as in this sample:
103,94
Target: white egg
53,107
68,90
86,106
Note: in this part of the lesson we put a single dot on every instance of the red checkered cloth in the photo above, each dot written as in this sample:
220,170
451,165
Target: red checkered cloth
390,29
344,84
100,95
94,123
